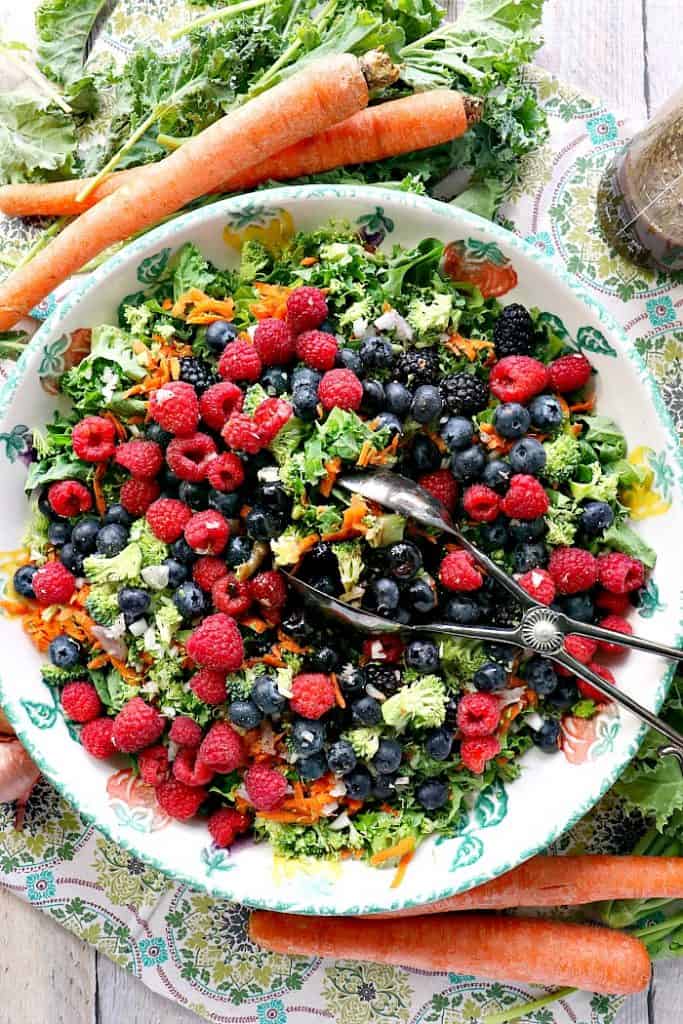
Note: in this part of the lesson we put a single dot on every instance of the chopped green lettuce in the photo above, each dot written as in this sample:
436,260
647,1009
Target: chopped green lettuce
605,437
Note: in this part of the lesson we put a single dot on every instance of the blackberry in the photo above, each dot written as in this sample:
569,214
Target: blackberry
385,678
418,367
513,332
197,373
451,718
464,393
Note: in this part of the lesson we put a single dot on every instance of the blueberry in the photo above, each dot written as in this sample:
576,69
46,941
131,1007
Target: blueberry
529,555
308,736
325,584
490,677
295,623
65,652
493,536
59,532
393,423
438,744
511,420
579,606
44,506
497,475
421,595
189,600
403,615
373,397
376,353
349,359
160,436
388,756
327,326
468,464
528,456
384,788
266,696
182,551
526,529
358,784
404,560
111,540
341,757
84,535
305,403
422,655
262,523
546,413
23,580
596,516
313,767
305,377
503,653
273,496
134,601
398,398
351,679
385,595
457,432
193,494
432,794
366,711
425,455
540,675
462,610
177,572
170,483
323,659
275,380
219,334
227,504
244,714
564,696
72,559
426,404
546,738
321,558
117,514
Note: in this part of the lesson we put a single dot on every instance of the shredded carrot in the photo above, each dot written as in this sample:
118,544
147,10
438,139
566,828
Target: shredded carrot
416,531
99,661
353,806
121,431
352,521
332,471
254,623
338,695
585,406
287,644
308,261
401,869
388,809
302,809
167,304
492,440
395,852
272,300
195,307
100,500
468,347
437,440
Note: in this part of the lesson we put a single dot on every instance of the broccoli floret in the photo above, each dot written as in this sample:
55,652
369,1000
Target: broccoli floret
561,519
350,561
563,456
254,259
365,741
239,685
167,620
422,704
253,398
35,537
137,318
54,676
102,604
460,659
287,547
122,568
363,310
288,439
295,841
317,518
600,487
152,550
384,529
430,317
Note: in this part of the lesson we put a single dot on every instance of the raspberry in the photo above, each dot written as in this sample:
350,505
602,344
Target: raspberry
178,800
617,604
216,643
539,584
478,714
153,764
269,589
590,692
207,532
167,518
525,498
572,569
386,647
209,686
242,433
137,495
231,595
317,349
80,702
458,572
137,725
475,753
93,439
222,748
340,389
207,570
69,498
240,361
225,825
313,694
185,732
582,648
270,417
189,769
142,459
518,378
218,402
442,485
189,457
226,472
96,737
481,503
620,573
53,584
618,625
274,342
175,407
266,787
306,308
569,373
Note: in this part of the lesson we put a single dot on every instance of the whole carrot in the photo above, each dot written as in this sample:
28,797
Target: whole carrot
388,129
325,92
528,950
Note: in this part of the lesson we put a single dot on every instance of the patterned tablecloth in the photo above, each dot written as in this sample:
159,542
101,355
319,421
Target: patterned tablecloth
194,949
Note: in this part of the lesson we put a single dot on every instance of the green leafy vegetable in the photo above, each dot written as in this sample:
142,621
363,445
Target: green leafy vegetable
605,437
622,537
63,28
36,140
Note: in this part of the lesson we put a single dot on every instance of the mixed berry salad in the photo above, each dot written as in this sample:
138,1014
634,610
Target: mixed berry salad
199,458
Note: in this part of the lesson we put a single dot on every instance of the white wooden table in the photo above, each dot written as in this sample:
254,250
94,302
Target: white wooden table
627,52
